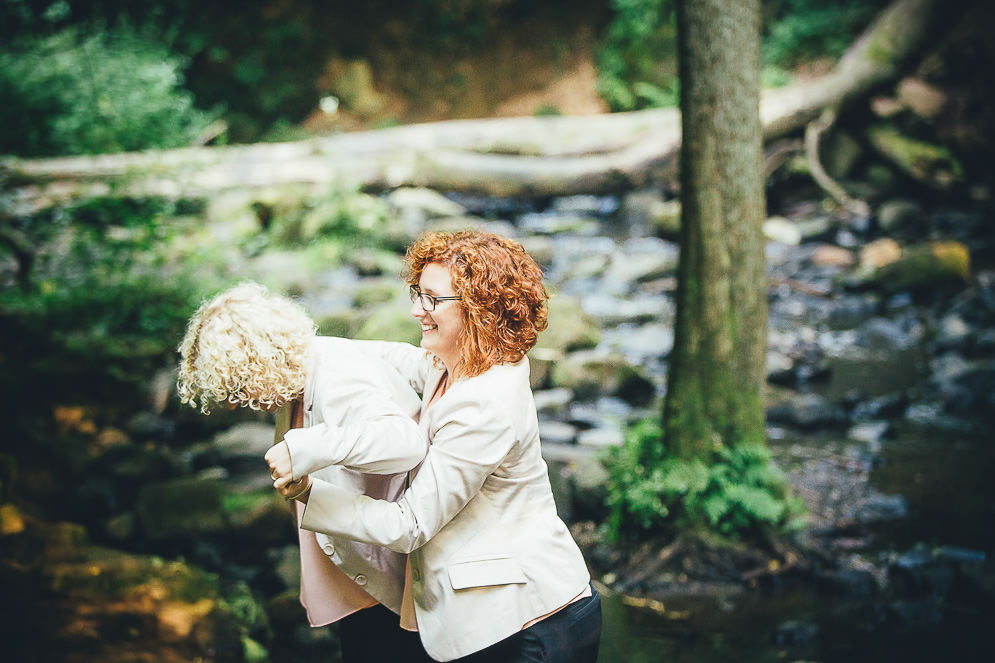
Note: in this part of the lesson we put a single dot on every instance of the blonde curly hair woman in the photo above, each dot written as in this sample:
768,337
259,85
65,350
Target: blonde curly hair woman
245,347
342,416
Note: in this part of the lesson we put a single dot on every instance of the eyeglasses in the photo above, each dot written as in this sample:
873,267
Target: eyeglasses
428,302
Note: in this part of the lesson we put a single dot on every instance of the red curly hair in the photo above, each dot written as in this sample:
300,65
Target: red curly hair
502,298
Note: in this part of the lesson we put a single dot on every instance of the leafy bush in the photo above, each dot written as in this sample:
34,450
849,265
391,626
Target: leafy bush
107,91
739,493
104,304
632,63
803,30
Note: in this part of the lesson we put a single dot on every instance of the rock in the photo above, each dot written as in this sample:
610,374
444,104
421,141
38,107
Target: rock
916,612
879,508
852,582
795,633
374,291
261,518
429,203
932,165
925,265
780,229
923,99
639,344
180,508
556,432
869,431
879,253
965,386
807,411
590,373
780,367
553,223
643,260
600,438
453,224
922,573
840,152
121,528
541,361
250,440
953,334
816,228
900,215
588,481
827,255
391,321
570,328
375,262
587,267
552,402
611,311
540,248
960,555
887,405
648,209
590,205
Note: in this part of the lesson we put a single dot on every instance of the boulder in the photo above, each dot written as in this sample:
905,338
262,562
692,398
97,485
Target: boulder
901,215
430,204
570,328
648,209
925,265
181,508
589,374
929,164
806,411
391,321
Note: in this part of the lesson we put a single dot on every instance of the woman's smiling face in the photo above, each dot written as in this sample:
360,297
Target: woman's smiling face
439,328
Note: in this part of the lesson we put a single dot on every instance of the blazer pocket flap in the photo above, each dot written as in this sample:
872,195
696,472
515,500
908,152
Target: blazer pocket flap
485,571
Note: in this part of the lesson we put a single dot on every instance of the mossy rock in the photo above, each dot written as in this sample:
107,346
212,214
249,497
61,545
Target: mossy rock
181,508
570,328
342,323
915,267
591,374
372,292
391,322
933,165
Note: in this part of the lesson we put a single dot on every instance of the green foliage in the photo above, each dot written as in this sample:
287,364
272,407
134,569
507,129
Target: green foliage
105,303
738,493
635,64
805,30
82,93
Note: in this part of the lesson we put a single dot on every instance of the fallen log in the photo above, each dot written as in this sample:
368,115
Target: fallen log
524,156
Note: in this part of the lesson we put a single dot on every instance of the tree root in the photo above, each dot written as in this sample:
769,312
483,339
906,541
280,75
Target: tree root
814,131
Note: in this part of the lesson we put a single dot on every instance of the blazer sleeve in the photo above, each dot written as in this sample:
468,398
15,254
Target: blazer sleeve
413,362
468,445
363,428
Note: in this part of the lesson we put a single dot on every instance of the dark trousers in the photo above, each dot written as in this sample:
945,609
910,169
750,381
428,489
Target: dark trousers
572,635
373,635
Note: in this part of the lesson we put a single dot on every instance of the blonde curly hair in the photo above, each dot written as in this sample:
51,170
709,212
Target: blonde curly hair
247,347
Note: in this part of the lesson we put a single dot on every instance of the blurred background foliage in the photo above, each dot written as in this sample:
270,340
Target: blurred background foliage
109,75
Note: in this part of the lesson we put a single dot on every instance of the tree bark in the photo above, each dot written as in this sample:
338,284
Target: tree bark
716,370
527,156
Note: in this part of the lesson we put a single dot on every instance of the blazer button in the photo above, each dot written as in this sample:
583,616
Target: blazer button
361,580
329,549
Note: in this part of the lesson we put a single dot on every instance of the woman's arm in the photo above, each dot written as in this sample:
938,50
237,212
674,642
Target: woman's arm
368,423
411,361
465,450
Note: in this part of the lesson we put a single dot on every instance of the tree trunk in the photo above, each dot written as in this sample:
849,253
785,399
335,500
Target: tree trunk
716,370
526,156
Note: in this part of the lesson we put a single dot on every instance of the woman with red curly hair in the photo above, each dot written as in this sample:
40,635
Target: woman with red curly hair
494,574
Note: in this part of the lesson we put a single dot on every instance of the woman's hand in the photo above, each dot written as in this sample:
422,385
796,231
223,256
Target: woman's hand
294,490
278,459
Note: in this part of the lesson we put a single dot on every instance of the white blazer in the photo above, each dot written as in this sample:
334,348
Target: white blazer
488,552
359,434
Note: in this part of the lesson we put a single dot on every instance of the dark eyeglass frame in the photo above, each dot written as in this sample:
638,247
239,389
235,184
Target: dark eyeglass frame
414,292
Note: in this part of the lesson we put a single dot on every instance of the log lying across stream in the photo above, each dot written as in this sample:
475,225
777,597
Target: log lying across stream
524,156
